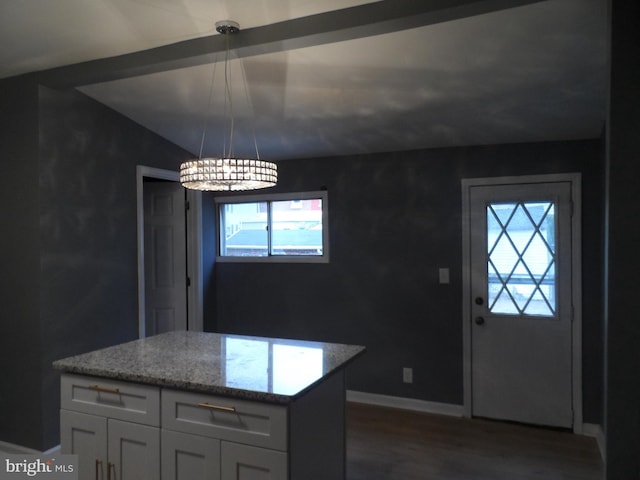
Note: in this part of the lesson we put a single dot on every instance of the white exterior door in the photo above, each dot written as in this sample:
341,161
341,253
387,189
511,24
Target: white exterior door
520,295
165,258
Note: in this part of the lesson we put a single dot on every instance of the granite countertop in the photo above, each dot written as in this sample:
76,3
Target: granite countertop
256,368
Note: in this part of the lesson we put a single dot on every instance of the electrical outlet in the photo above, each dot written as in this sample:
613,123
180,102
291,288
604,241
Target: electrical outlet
407,375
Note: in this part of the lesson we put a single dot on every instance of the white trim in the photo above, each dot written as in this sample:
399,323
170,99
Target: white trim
194,262
576,274
194,245
53,451
274,197
588,429
270,197
576,299
595,430
405,403
11,448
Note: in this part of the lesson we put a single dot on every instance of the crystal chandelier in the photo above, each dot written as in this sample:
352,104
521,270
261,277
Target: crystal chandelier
228,173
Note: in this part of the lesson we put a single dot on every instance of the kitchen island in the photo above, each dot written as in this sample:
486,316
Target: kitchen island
193,405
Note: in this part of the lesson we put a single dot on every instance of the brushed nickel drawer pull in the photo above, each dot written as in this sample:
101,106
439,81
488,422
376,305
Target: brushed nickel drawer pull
217,407
98,388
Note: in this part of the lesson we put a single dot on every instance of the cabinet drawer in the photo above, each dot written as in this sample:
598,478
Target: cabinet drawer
252,423
111,398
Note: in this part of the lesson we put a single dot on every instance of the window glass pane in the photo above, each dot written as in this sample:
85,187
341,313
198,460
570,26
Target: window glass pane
296,227
521,261
244,230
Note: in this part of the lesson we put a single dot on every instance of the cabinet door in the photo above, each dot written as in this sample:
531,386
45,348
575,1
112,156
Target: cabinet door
242,462
189,457
134,451
86,436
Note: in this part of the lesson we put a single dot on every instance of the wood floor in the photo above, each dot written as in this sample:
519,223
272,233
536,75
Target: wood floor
385,444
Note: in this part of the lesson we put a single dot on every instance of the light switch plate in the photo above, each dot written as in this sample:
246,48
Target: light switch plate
443,274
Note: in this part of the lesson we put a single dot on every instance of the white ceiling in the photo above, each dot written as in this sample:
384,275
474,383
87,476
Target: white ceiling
531,73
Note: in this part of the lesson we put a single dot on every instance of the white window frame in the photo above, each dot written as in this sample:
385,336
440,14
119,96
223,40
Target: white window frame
276,197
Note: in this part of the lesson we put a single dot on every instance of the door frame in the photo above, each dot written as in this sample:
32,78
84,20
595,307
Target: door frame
194,248
576,281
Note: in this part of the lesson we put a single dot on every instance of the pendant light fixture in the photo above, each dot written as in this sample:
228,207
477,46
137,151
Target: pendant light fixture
227,172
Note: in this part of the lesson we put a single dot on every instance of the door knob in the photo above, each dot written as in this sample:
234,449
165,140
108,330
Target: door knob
479,320
479,300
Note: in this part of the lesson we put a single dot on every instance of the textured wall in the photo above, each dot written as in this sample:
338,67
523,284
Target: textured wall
88,158
20,342
69,261
394,220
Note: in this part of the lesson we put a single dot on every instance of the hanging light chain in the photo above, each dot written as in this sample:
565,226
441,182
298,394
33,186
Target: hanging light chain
229,96
250,104
205,122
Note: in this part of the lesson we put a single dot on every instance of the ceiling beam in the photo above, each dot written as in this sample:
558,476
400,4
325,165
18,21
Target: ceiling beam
385,16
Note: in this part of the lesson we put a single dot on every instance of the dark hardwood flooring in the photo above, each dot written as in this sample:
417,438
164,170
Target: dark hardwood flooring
385,444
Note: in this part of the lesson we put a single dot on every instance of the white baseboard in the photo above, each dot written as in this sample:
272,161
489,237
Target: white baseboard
11,448
595,430
53,451
588,429
405,403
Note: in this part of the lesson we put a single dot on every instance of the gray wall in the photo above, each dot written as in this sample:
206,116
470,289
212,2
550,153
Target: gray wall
623,322
394,220
83,293
69,264
20,342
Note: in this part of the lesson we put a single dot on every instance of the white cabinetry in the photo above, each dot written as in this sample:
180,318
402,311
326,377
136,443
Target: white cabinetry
92,427
123,430
242,462
248,439
86,436
186,456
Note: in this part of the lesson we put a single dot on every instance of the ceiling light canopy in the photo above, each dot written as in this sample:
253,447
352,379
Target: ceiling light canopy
227,172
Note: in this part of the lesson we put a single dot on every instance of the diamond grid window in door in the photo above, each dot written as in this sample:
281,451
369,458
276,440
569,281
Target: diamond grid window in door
521,258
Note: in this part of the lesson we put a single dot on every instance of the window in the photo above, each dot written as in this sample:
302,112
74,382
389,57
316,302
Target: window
521,258
289,227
